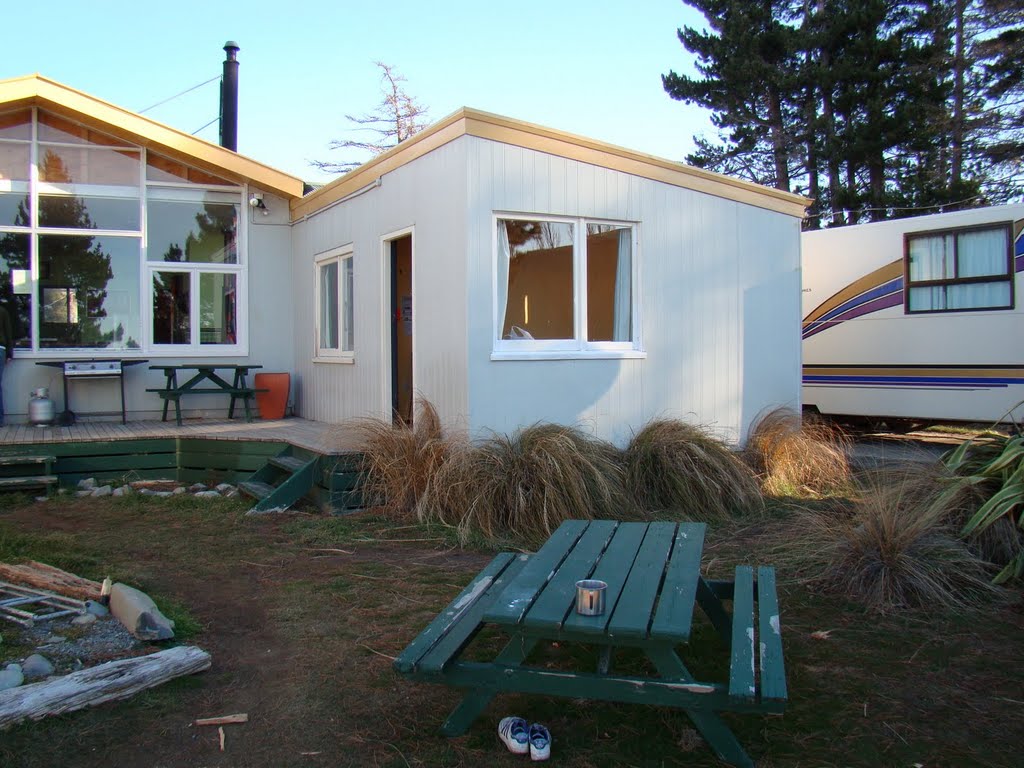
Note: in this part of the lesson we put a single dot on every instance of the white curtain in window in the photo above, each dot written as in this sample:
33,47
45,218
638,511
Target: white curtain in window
504,255
931,258
623,310
978,295
927,298
982,253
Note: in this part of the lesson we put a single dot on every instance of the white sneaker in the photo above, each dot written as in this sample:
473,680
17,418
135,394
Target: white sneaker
515,733
540,742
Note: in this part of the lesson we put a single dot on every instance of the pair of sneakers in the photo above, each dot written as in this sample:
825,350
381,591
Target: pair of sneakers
522,738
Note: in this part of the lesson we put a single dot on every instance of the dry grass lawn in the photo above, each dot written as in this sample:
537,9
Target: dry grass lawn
301,613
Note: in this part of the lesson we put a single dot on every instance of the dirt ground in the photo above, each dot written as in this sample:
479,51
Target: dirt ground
303,613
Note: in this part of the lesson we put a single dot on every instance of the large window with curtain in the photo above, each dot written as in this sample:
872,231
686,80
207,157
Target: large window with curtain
564,286
959,270
105,245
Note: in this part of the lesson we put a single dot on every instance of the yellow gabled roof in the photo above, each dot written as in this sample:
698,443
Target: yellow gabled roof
472,122
36,90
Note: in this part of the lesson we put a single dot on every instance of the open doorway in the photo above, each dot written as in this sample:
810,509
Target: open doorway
401,330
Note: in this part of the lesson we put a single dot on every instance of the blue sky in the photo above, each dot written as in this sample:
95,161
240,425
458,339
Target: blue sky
591,68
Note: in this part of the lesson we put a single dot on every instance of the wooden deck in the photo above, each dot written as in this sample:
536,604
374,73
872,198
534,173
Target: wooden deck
312,435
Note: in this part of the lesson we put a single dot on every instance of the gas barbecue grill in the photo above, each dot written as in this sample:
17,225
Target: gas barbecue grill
107,368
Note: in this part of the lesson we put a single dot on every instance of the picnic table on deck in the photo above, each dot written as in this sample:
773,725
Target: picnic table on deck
206,372
654,584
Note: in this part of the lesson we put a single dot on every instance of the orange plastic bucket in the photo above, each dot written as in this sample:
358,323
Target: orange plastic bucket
274,401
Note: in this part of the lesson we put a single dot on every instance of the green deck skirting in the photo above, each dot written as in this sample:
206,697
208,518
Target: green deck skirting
188,460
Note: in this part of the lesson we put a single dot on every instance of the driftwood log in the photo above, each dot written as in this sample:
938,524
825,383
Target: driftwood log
97,685
43,576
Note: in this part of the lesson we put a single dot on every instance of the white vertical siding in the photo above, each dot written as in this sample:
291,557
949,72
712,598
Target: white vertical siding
427,195
719,292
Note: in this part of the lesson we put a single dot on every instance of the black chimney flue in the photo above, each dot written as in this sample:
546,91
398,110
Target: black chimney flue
229,98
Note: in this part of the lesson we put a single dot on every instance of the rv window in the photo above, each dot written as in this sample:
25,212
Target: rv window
959,270
563,287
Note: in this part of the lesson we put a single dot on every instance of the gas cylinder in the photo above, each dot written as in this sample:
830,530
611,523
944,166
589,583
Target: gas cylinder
41,410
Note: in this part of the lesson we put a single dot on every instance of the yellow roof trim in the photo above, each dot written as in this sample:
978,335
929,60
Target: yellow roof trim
36,90
485,125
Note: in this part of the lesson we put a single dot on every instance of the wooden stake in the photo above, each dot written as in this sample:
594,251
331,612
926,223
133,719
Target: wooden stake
223,720
220,731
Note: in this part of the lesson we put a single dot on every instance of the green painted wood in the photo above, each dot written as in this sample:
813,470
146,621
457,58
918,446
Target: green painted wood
773,670
17,483
474,703
407,660
287,463
8,461
461,631
626,689
674,616
231,447
520,594
95,448
123,463
632,614
256,490
613,569
551,607
344,481
290,490
741,664
715,732
219,461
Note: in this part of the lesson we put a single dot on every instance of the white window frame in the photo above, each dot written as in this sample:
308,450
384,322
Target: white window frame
195,347
579,347
143,191
340,355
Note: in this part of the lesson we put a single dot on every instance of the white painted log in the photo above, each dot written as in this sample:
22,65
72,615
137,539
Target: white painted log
112,681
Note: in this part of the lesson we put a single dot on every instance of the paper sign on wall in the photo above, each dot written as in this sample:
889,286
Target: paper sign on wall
407,314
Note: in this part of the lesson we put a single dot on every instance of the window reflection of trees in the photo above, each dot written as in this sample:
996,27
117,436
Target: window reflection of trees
74,273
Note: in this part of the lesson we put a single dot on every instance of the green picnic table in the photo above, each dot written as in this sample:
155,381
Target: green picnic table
205,379
654,584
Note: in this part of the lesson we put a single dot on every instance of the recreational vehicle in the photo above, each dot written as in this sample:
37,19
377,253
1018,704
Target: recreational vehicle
916,319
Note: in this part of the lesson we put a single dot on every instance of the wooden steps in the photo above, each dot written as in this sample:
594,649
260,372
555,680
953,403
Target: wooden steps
281,482
18,473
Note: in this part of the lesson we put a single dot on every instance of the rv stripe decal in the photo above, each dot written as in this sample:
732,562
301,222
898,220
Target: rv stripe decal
919,377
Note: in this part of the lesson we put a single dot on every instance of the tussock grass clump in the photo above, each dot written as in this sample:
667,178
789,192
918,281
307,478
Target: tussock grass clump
684,469
898,549
796,456
399,461
525,484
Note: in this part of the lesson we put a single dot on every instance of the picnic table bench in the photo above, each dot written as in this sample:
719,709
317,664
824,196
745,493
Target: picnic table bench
654,582
238,389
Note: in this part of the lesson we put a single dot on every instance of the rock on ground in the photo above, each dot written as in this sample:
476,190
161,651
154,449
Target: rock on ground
85,620
96,608
87,484
36,666
11,677
105,490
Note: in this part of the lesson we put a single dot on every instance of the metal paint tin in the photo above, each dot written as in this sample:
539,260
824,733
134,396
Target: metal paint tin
590,597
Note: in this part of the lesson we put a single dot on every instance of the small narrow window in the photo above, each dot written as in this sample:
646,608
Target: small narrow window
959,270
335,331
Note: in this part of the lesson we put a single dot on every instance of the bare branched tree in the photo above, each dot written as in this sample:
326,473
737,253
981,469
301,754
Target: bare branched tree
396,118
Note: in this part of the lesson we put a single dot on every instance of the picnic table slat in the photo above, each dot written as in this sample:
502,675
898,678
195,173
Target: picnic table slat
444,621
741,665
471,621
633,617
558,598
613,569
674,616
773,670
520,594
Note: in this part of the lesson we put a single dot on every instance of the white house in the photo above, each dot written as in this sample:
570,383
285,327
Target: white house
507,272
916,318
